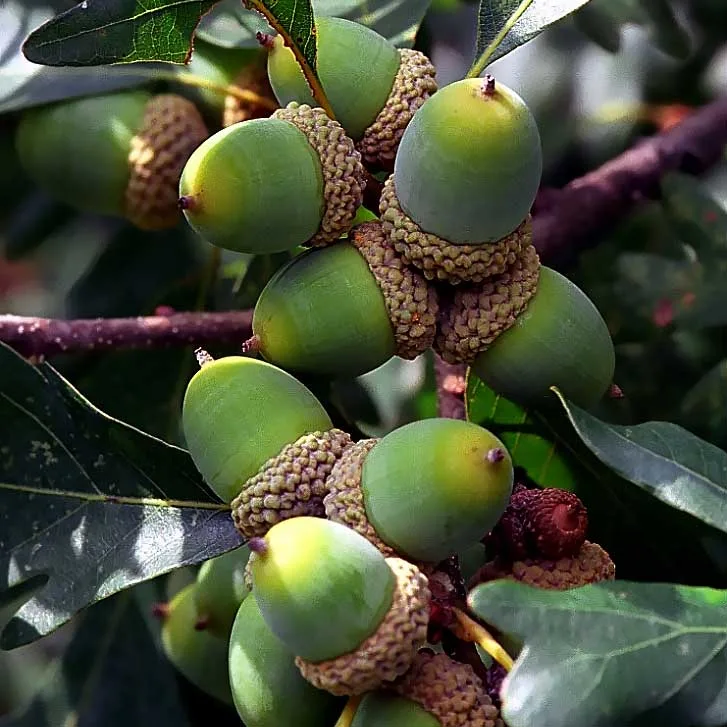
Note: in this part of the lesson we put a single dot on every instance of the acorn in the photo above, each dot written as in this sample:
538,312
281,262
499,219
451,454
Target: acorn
466,175
346,309
199,655
238,413
269,185
386,709
117,154
373,88
426,490
220,590
353,618
268,690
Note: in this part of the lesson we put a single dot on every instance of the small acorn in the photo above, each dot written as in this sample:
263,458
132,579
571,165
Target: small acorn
269,185
239,412
374,89
353,618
426,490
118,154
386,709
346,309
268,690
199,655
220,590
466,175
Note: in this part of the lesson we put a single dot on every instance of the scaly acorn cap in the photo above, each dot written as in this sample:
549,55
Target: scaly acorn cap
439,259
386,654
475,315
291,484
590,565
171,130
449,690
556,522
414,83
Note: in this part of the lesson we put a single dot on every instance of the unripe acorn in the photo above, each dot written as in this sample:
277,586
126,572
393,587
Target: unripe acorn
268,690
345,309
466,175
238,413
269,185
386,709
373,88
428,489
118,154
353,618
200,656
221,589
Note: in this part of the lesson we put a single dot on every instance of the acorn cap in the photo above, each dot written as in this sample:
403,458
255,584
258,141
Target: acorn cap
412,304
449,690
267,688
474,316
439,259
385,709
171,130
344,178
559,340
435,486
252,77
591,565
556,521
239,412
321,587
344,501
508,538
388,652
413,85
291,484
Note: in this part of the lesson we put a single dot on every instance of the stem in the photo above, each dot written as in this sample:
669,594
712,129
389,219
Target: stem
484,639
349,711
242,94
481,63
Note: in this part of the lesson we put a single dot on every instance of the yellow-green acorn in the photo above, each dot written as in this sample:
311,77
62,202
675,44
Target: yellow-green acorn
269,185
118,154
466,175
427,489
199,655
345,309
353,618
268,690
373,88
221,589
386,709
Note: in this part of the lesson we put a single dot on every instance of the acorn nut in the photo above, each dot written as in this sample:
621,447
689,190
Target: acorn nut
269,185
353,618
373,88
383,708
118,154
346,309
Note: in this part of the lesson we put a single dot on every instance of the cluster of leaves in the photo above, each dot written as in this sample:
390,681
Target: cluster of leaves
91,505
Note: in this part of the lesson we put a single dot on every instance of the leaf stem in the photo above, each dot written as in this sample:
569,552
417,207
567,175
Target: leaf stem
483,638
480,63
349,711
242,94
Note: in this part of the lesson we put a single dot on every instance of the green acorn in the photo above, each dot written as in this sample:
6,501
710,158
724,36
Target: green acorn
269,185
199,655
118,154
466,175
345,309
353,618
373,88
426,490
221,589
268,690
386,709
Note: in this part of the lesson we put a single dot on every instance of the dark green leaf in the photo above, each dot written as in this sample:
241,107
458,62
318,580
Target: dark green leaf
666,32
663,459
111,674
607,654
91,502
99,32
598,22
704,406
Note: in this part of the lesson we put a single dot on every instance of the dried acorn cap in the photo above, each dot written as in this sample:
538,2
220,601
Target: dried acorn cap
449,690
389,651
473,318
413,85
556,522
383,708
291,484
344,501
439,259
590,565
367,307
508,538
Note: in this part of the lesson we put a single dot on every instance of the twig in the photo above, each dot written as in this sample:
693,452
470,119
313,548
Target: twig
450,388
